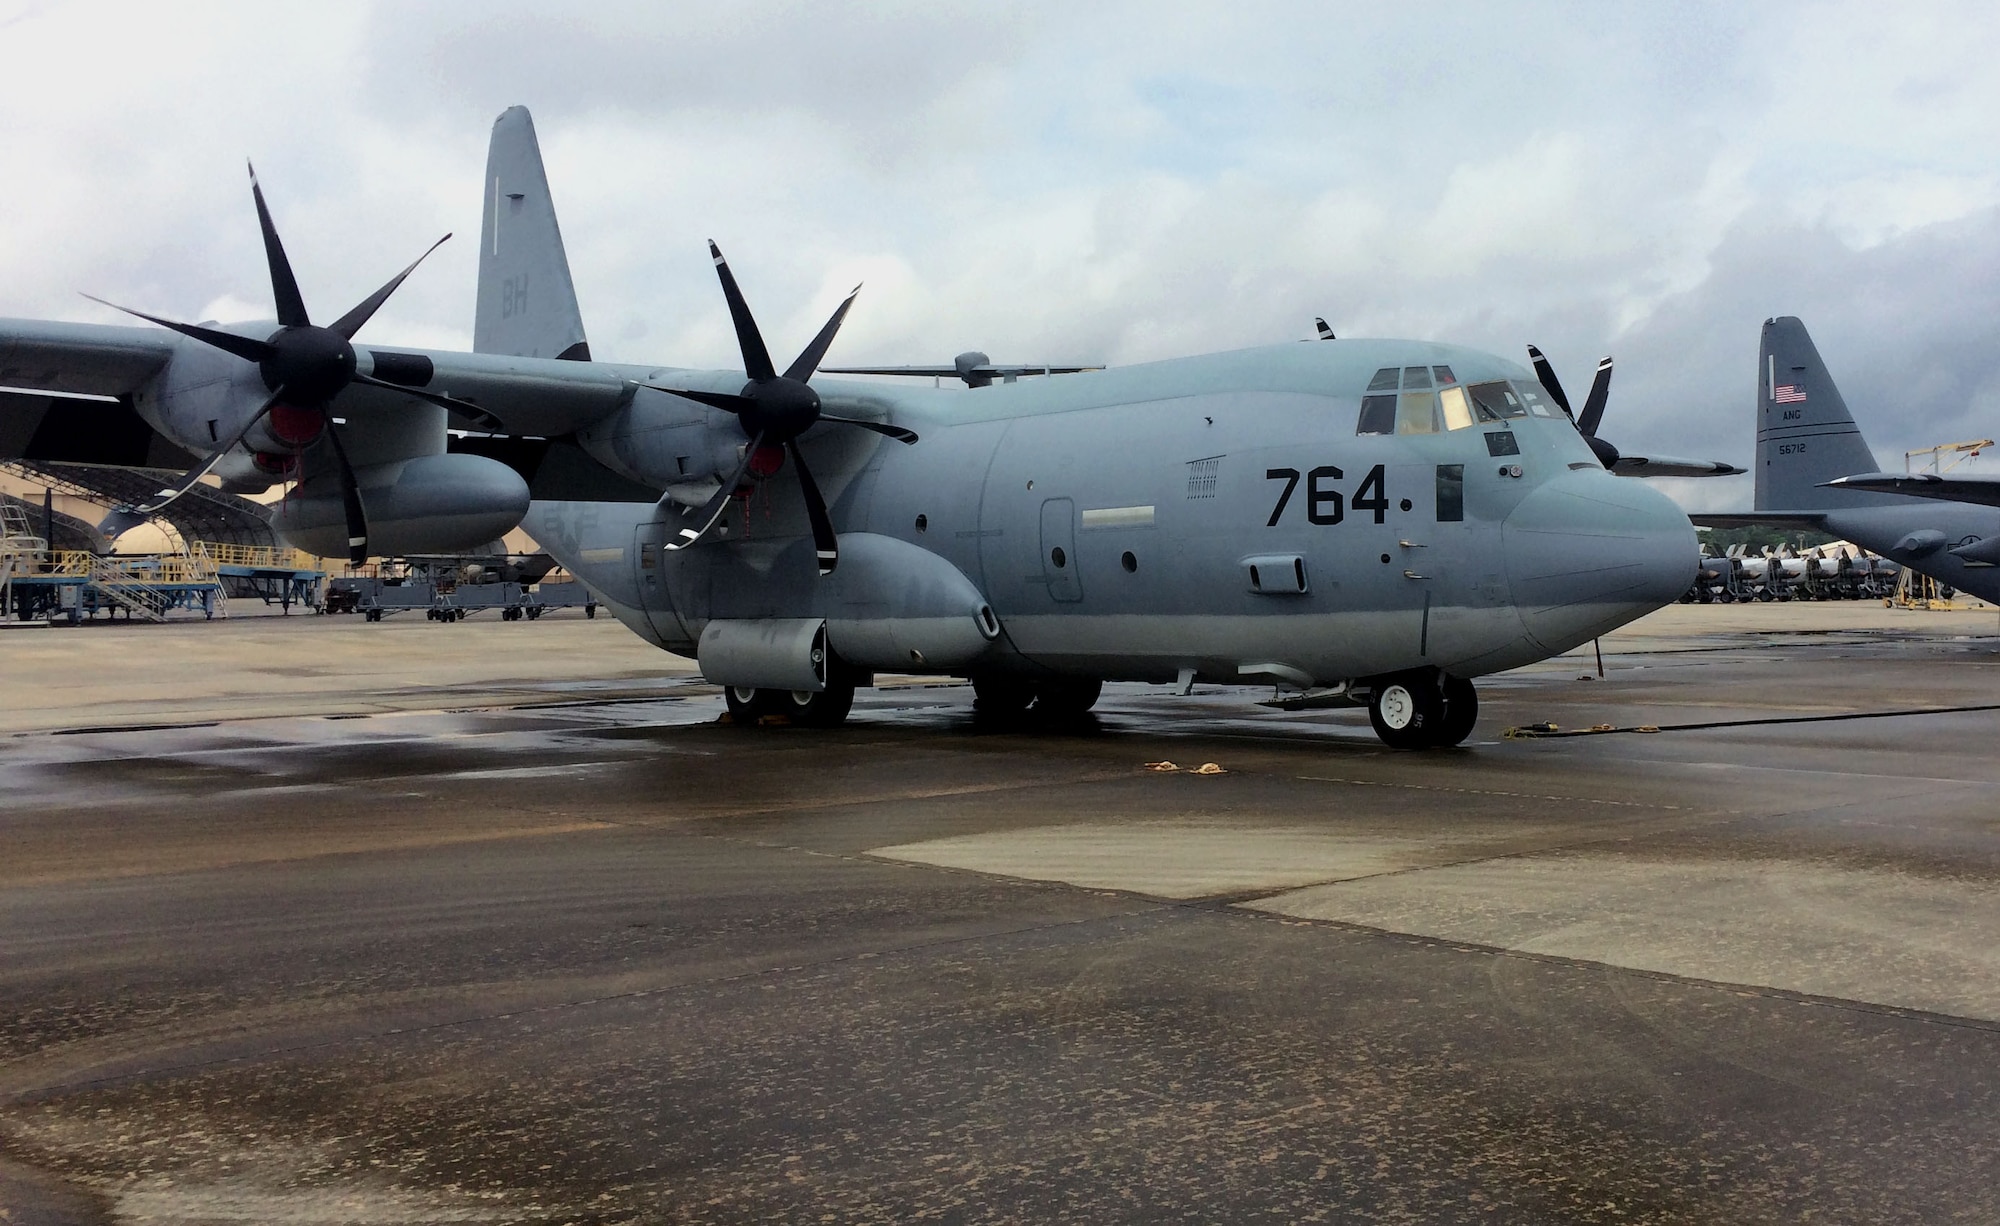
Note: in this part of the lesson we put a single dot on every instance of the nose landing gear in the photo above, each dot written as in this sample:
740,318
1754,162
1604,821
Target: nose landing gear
1422,709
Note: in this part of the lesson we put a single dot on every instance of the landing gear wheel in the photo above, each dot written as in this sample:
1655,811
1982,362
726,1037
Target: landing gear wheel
1406,710
1461,712
1066,699
999,695
745,704
825,708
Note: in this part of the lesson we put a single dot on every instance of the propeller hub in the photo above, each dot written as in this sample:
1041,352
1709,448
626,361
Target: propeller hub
311,364
780,409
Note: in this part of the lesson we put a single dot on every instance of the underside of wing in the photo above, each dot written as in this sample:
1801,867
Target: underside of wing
1672,466
556,469
1985,491
84,359
77,430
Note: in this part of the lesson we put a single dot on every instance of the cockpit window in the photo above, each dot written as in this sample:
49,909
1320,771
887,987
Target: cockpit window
1444,376
1532,396
1385,379
1457,408
1416,377
1416,413
1378,413
1496,402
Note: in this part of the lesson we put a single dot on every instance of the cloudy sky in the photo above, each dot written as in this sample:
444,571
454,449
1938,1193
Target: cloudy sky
1072,181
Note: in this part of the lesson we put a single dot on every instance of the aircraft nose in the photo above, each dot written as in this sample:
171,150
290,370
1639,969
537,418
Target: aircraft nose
1588,552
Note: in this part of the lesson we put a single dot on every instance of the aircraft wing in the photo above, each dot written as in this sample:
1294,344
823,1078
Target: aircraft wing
1982,490
1672,466
1815,520
89,359
79,430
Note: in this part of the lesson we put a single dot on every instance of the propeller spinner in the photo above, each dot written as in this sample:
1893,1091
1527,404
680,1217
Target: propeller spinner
305,366
773,410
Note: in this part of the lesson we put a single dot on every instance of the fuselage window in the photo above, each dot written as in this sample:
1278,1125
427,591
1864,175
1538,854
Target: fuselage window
1378,415
1385,379
1457,409
1451,493
1496,402
1416,413
1531,395
1416,377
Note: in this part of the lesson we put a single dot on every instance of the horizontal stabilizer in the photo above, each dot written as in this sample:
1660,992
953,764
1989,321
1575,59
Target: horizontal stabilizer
1813,520
1673,466
1984,491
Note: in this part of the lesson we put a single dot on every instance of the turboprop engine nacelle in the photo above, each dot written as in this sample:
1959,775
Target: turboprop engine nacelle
664,441
429,504
891,607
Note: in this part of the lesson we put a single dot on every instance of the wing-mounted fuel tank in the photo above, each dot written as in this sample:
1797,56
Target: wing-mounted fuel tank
667,442
427,504
891,607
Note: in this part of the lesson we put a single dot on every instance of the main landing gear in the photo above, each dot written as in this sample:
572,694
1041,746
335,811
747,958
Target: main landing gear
1422,709
1000,696
825,708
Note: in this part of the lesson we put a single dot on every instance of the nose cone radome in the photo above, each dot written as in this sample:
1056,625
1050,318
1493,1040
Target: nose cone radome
1588,552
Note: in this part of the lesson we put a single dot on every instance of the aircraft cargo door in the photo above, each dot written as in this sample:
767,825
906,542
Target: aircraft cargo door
1059,560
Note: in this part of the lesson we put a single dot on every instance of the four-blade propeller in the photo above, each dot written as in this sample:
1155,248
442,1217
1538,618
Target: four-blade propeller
1593,404
774,410
304,366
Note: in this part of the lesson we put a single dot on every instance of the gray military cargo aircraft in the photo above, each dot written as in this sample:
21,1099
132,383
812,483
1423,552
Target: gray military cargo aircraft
1369,522
1815,470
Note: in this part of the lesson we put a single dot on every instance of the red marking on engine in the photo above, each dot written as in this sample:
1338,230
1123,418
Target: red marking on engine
296,426
766,461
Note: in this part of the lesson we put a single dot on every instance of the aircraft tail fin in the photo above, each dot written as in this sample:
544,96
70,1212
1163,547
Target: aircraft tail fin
1805,435
526,302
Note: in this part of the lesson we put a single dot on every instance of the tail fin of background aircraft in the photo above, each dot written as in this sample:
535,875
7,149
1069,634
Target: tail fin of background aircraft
527,305
1805,435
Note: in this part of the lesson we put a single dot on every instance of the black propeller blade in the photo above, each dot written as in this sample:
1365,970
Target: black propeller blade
1547,374
774,409
1593,404
305,366
284,286
825,545
350,501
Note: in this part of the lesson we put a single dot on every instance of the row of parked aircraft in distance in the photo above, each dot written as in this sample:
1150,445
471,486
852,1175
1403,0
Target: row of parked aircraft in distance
1367,522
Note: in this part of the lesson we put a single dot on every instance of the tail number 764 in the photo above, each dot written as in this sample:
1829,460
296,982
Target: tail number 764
1324,503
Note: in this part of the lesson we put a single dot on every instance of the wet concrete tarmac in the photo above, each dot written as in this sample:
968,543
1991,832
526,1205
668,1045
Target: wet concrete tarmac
568,950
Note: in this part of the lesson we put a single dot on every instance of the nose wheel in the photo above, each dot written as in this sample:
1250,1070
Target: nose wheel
1422,710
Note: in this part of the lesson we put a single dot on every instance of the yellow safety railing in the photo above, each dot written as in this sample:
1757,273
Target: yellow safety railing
260,557
192,567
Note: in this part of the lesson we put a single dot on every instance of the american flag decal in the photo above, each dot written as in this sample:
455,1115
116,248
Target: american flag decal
1788,393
